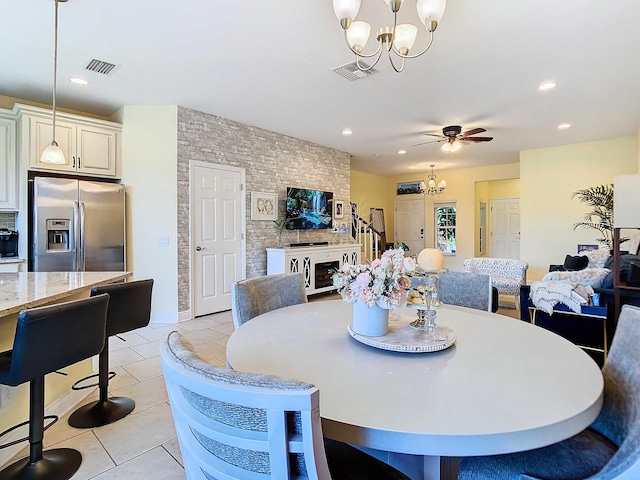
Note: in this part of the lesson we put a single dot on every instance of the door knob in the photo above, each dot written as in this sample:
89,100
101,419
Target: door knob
198,248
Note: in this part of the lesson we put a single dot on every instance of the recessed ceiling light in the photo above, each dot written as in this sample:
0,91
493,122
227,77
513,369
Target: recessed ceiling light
564,126
401,152
346,132
376,154
547,86
78,81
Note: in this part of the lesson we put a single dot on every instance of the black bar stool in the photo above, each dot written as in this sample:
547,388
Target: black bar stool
48,339
129,308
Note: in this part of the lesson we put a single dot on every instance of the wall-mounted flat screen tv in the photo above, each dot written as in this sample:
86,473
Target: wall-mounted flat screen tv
309,209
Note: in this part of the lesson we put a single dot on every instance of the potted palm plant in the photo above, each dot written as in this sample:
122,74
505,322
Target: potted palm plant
600,217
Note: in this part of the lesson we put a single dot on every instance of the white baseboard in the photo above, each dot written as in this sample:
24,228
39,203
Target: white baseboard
184,316
60,408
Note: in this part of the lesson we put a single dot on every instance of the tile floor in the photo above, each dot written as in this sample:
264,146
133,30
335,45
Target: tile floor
143,445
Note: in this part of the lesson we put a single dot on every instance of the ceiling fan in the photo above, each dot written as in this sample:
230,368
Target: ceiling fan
454,138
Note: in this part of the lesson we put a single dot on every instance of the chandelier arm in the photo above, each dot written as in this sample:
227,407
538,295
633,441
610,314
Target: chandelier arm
398,70
362,55
417,54
363,69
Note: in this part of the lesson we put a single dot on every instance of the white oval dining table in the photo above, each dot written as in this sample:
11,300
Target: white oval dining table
504,386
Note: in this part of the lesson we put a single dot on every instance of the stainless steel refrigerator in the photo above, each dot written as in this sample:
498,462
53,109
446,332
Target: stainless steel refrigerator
76,226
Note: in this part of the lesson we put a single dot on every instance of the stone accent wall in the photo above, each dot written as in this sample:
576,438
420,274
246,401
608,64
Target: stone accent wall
272,162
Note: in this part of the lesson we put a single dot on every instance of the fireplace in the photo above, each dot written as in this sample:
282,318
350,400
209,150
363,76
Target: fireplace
323,273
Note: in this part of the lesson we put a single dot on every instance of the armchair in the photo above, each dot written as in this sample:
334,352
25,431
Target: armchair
507,274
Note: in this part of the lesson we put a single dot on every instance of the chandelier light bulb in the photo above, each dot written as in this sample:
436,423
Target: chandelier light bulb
405,37
431,11
346,9
358,35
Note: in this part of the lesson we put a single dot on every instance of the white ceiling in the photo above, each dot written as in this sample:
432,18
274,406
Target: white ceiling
269,65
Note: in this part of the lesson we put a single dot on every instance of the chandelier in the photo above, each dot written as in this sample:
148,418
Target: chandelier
398,39
430,189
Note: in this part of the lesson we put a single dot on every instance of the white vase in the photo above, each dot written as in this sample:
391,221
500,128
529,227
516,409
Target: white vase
370,321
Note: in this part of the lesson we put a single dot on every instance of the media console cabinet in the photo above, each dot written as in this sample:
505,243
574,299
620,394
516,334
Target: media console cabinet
317,263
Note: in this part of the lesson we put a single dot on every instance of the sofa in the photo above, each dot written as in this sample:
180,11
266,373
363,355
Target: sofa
585,329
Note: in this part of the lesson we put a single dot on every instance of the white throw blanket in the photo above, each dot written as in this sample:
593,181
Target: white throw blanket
547,294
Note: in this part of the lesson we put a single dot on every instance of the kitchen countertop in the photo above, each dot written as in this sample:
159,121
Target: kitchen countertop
11,260
19,291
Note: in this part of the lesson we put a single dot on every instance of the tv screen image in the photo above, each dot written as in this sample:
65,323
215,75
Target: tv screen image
309,209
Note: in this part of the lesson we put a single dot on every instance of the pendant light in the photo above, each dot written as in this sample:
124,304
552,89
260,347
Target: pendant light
53,153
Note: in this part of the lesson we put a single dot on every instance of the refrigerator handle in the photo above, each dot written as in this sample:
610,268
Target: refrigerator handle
81,269
76,235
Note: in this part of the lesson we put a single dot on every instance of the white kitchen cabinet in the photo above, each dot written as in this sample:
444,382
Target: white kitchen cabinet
91,147
8,162
316,263
11,266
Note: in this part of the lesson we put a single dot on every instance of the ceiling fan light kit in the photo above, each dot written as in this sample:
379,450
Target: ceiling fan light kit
397,39
53,153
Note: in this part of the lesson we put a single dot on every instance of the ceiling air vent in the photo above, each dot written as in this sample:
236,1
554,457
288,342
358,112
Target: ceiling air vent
99,66
351,72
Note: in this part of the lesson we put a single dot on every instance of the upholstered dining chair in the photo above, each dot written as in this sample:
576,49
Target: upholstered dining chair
255,296
233,424
471,290
608,449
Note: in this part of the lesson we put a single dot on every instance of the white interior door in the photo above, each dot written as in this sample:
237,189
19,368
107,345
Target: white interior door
409,224
505,228
217,237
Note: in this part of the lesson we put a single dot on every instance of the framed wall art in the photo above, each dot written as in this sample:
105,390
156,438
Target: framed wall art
264,206
338,206
409,188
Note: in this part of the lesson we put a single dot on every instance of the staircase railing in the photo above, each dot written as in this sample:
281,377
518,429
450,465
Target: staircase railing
372,240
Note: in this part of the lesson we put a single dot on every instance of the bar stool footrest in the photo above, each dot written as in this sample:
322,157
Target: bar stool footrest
56,464
97,384
53,418
99,413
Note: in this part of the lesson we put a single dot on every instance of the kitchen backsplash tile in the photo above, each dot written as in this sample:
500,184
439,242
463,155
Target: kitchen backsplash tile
8,220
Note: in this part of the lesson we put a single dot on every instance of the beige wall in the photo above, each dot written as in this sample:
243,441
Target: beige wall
149,171
548,178
374,191
461,189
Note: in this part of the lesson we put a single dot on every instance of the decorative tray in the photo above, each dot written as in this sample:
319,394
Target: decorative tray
402,338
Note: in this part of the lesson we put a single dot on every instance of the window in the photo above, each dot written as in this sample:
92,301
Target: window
445,227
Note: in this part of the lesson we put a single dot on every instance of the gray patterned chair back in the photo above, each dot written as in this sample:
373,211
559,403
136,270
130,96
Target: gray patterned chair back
239,425
255,296
470,290
619,419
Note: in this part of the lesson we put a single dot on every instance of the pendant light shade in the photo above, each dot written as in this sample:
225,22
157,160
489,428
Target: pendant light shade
53,153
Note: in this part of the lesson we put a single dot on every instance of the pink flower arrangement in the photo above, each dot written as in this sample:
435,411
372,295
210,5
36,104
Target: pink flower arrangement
384,282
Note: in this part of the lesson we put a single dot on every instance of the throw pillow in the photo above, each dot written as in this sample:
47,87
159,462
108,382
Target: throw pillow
597,258
579,262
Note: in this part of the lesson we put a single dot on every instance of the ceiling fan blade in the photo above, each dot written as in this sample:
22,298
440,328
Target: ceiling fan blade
432,141
433,135
477,139
473,131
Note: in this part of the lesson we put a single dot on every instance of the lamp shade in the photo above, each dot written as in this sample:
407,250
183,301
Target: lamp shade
431,259
53,154
451,147
346,8
404,37
626,213
358,35
429,10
